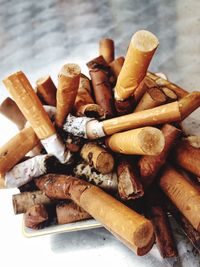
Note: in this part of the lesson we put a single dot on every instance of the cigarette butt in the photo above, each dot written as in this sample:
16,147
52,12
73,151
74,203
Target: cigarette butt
70,212
100,64
46,90
84,104
107,49
158,115
102,91
22,92
150,165
152,98
188,157
22,202
130,227
163,232
68,82
108,181
15,149
35,216
180,92
189,103
183,194
98,157
116,66
129,185
142,141
140,52
10,110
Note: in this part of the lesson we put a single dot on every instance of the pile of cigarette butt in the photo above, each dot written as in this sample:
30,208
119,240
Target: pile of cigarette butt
110,146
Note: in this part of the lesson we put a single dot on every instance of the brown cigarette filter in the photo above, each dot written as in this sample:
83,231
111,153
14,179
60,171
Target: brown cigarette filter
129,226
107,49
28,102
15,149
22,202
68,83
10,110
150,165
116,66
97,157
141,141
175,111
188,157
70,212
164,237
102,91
129,186
84,104
46,90
183,193
35,215
140,52
180,92
152,98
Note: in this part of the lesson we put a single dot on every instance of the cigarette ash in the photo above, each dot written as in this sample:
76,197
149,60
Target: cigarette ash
76,125
107,182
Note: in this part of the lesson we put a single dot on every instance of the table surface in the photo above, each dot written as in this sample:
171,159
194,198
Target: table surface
37,37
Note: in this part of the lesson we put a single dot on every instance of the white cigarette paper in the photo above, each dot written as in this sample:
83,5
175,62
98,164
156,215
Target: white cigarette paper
25,171
106,181
54,146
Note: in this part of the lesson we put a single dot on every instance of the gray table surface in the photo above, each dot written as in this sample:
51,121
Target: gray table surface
38,37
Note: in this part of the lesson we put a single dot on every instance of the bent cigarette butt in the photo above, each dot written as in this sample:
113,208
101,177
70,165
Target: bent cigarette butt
70,212
129,226
152,98
68,82
183,193
97,157
107,49
188,157
22,92
15,149
142,141
116,66
11,111
22,202
180,92
84,104
140,52
46,90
